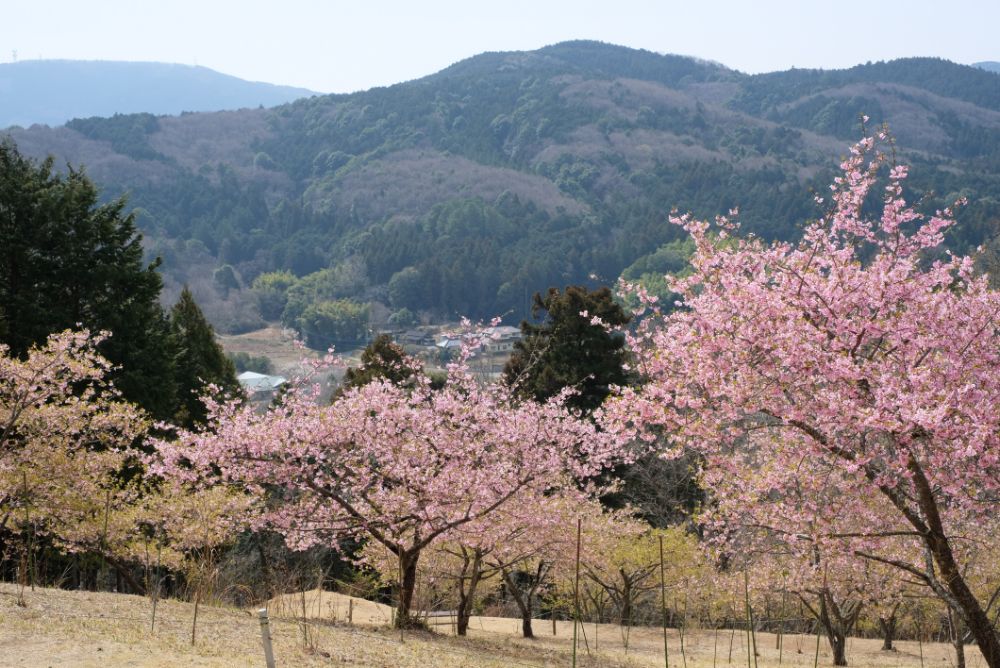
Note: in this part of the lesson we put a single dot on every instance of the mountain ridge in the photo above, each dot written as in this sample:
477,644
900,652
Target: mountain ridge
51,92
462,191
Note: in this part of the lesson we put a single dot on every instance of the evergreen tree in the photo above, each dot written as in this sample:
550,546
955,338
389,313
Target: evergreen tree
198,359
67,262
383,358
566,350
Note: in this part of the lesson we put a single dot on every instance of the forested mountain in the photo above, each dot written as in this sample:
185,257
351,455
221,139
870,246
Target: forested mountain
466,191
52,92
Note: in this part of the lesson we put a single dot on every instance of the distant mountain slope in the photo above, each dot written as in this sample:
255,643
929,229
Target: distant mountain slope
54,91
988,65
465,191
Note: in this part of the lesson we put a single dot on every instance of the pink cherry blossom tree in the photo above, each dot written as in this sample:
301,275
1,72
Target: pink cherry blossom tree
859,363
401,466
65,435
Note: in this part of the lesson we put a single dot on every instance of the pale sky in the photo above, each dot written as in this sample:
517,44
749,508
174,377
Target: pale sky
341,46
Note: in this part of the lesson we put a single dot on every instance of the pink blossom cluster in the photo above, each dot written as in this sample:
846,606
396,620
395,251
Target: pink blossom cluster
400,465
845,388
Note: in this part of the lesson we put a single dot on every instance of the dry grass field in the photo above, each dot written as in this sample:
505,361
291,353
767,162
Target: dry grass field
68,628
274,342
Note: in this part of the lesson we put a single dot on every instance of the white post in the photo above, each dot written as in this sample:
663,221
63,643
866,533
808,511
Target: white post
265,636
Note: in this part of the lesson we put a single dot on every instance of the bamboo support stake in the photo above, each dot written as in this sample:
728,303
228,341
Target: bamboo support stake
663,607
816,660
681,629
746,594
715,650
576,586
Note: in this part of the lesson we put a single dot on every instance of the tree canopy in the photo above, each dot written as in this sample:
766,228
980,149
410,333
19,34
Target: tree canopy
199,361
69,262
570,347
843,391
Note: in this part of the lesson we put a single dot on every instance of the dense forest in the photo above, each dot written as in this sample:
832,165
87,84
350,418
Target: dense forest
465,192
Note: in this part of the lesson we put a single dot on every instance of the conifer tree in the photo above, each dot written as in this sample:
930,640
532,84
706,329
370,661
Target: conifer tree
68,262
569,349
198,359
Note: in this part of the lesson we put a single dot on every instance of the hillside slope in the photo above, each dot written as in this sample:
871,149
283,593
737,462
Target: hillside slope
99,630
465,191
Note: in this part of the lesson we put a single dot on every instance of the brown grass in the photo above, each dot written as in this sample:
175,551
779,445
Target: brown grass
68,628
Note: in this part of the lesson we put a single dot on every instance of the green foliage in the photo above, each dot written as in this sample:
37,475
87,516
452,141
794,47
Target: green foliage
406,288
588,144
404,317
244,361
342,323
651,271
271,292
199,361
69,262
762,92
381,359
567,350
346,279
670,258
128,134
225,279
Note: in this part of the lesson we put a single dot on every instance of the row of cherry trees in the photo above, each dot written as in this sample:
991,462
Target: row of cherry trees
841,396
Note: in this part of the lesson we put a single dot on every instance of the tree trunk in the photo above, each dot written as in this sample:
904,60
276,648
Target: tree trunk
526,630
837,621
888,626
626,616
956,632
466,597
122,572
265,565
838,643
972,613
959,653
522,597
463,614
408,583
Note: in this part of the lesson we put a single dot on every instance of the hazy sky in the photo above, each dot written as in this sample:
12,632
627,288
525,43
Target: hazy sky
340,46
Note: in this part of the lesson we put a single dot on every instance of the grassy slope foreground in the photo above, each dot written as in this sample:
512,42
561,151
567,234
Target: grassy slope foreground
68,628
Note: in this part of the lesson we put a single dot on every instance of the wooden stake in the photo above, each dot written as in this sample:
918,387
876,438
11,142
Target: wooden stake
194,619
305,629
265,636
155,589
